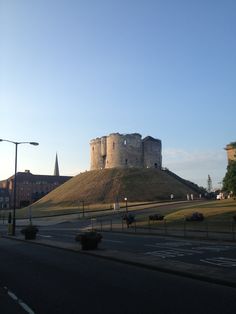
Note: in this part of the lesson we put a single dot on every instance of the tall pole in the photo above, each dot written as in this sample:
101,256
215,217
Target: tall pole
14,195
126,205
15,180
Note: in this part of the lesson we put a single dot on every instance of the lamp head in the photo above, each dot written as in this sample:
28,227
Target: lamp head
34,143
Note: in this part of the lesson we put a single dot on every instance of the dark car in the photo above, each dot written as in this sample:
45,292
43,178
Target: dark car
156,217
195,217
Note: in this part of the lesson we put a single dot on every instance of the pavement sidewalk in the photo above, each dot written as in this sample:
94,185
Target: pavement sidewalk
205,273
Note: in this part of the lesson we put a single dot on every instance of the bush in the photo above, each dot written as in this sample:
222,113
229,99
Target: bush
89,240
29,232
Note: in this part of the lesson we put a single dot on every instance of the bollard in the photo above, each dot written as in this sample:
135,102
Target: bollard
10,225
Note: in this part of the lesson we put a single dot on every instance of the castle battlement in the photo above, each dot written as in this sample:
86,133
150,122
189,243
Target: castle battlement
231,151
125,151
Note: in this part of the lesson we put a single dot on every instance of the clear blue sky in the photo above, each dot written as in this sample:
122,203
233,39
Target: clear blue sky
73,70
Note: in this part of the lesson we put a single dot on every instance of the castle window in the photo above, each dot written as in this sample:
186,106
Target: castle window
126,162
113,145
125,142
155,165
93,147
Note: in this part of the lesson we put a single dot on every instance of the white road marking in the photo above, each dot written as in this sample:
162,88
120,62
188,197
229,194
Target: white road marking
12,295
45,236
20,302
164,254
220,261
26,307
177,250
115,241
214,248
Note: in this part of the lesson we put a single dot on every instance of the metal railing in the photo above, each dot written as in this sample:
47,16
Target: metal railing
207,229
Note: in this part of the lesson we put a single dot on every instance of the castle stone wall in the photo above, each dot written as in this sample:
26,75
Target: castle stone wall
152,153
231,151
96,154
125,150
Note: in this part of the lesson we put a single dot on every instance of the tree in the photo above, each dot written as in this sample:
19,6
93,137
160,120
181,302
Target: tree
229,181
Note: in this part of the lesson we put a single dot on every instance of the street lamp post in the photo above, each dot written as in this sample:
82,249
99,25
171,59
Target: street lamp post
15,180
126,204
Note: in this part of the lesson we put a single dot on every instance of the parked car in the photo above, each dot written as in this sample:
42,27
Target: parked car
156,217
195,217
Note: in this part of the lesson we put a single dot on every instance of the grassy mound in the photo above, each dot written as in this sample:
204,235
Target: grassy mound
217,211
108,185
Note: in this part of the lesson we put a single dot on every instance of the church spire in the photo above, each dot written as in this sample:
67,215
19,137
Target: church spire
56,169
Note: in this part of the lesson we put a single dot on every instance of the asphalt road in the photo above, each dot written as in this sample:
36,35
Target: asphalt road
56,281
201,252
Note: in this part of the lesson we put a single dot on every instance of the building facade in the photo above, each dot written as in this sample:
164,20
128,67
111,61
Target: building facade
30,187
125,151
4,198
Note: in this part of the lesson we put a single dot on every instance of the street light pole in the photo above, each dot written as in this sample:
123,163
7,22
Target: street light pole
126,205
14,196
15,180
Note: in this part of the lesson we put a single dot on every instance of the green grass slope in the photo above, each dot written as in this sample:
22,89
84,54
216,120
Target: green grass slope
105,186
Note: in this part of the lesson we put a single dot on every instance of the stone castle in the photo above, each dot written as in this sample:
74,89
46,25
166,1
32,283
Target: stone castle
125,151
231,151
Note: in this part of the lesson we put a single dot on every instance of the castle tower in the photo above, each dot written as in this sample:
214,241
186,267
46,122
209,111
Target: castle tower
56,168
152,157
125,151
231,151
98,153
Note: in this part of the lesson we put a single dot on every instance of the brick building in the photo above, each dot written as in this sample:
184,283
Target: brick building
4,199
29,187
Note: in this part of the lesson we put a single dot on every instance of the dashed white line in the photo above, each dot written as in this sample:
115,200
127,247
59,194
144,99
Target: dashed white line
26,307
12,295
19,301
